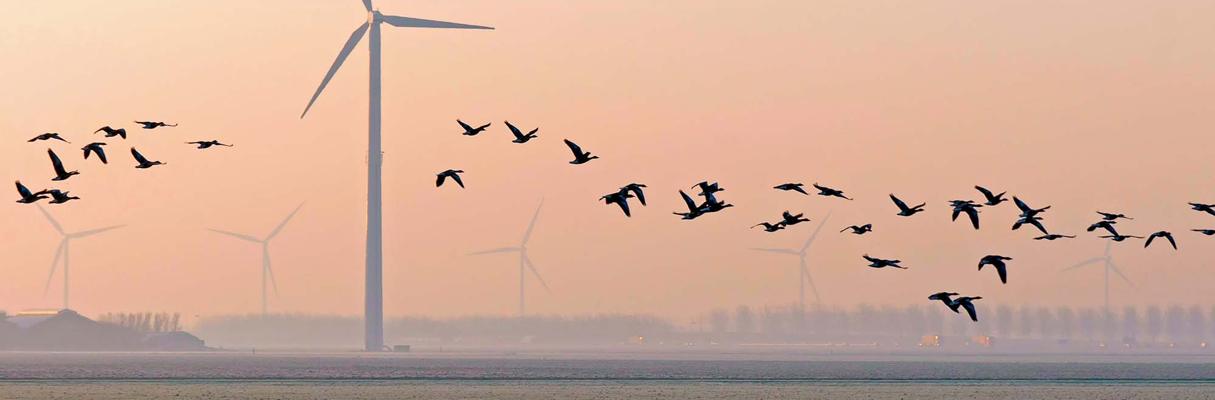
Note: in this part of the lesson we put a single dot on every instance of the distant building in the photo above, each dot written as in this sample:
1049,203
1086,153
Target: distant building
66,330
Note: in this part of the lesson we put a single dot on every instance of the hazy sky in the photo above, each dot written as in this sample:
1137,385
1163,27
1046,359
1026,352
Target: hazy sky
1082,105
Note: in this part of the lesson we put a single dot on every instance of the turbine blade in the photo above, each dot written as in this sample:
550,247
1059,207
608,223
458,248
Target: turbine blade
536,273
346,49
810,280
54,265
237,235
781,251
52,220
1114,267
280,226
269,270
527,235
810,240
407,22
497,250
1085,262
92,232
367,4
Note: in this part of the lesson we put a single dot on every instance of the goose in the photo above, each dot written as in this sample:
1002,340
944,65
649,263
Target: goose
693,209
904,210
111,132
796,187
859,230
1119,238
469,130
1107,225
28,197
636,189
992,199
48,136
829,192
711,204
880,263
580,157
519,136
944,297
770,227
1207,208
143,162
1208,232
966,302
966,206
61,174
95,148
790,219
208,144
996,261
454,174
1053,236
60,197
620,198
1112,216
1026,210
1036,221
153,124
1162,234
707,189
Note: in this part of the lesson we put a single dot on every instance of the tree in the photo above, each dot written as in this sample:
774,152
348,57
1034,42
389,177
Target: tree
1155,323
1130,323
744,320
1067,322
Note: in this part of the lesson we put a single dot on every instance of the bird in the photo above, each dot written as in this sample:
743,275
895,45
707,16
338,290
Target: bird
620,198
1162,234
143,162
1207,208
904,210
966,206
944,297
1107,225
636,189
693,209
1026,210
28,197
796,187
1119,238
111,132
95,148
790,219
580,157
60,197
469,130
998,262
711,204
707,189
1112,216
770,227
826,191
966,302
153,124
1036,221
48,136
1053,236
880,263
454,174
207,144
1208,232
519,136
61,174
859,230
992,199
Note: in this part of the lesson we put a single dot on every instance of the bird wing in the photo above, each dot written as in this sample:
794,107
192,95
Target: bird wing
513,130
100,154
456,177
970,309
986,193
624,206
870,259
440,179
974,217
574,148
1002,270
1038,224
24,191
902,206
640,195
484,126
1171,241
465,126
56,162
138,157
1021,205
1149,240
956,212
688,200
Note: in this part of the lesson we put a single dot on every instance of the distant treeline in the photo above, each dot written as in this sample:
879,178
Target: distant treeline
144,322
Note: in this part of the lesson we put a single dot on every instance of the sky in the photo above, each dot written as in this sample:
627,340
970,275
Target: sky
1081,105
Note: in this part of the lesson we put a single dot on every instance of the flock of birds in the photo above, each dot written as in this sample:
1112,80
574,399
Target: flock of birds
96,149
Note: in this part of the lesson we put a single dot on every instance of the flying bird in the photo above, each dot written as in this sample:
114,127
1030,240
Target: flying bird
61,174
944,297
904,210
796,187
111,132
693,209
636,189
1036,221
770,227
1107,225
966,302
620,198
1026,210
966,206
580,157
1112,216
1207,208
711,204
992,199
1161,234
208,144
997,262
143,162
880,263
519,136
859,230
28,197
48,136
1119,238
60,197
826,191
153,124
469,130
1208,232
95,148
454,174
790,219
707,189
1053,236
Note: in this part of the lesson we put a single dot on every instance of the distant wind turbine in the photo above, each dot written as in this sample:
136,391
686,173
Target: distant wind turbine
525,262
804,272
373,311
1108,261
64,251
267,272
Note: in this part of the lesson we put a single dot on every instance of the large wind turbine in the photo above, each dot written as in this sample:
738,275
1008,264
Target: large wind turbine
267,272
525,262
803,271
64,251
373,311
1108,260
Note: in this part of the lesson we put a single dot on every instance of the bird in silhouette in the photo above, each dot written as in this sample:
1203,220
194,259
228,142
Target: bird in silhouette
966,206
519,136
620,198
991,199
1119,238
469,130
997,262
1104,224
208,144
770,227
95,148
904,210
60,197
1162,234
711,204
967,303
880,263
1053,236
580,157
945,297
694,209
636,189
27,196
143,161
829,192
48,136
153,124
1207,208
707,189
789,219
60,173
111,132
454,174
1208,232
1036,221
859,230
1026,210
1112,216
796,187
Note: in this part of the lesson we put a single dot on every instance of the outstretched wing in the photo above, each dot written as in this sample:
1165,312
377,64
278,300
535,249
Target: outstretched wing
1149,240
624,206
574,148
1003,271
56,163
100,154
439,181
640,195
24,191
138,157
465,126
970,309
514,130
1021,205
456,177
902,206
1171,241
688,200
974,217
986,193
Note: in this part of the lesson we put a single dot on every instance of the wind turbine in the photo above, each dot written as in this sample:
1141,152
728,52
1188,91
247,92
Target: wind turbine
524,260
803,271
64,252
1108,261
267,272
373,308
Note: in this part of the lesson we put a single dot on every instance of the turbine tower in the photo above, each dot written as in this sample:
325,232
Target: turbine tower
802,270
525,262
267,272
64,252
373,311
1108,261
